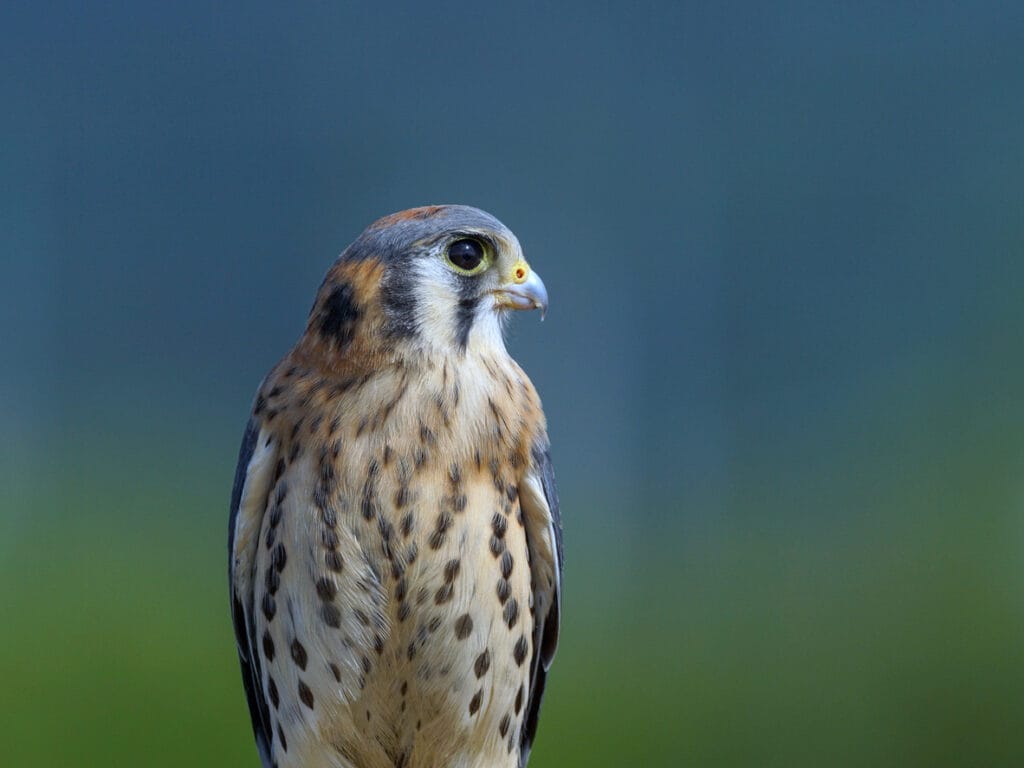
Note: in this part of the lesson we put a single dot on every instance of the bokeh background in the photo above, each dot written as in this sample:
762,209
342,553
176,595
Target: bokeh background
782,365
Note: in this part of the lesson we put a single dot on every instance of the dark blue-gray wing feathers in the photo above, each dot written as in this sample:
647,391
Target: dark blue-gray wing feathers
545,636
245,631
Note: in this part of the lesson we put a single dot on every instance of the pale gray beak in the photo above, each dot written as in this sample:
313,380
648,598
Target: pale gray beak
528,294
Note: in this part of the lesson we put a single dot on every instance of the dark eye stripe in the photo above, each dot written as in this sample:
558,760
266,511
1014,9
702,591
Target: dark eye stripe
464,316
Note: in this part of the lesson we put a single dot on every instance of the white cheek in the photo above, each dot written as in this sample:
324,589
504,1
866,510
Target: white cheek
435,302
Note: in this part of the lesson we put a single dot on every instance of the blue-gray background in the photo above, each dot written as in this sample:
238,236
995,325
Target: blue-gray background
782,365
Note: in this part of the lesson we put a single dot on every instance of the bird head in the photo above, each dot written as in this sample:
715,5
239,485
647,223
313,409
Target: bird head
434,279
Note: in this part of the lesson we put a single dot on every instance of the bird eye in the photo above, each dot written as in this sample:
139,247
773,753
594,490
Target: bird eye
466,255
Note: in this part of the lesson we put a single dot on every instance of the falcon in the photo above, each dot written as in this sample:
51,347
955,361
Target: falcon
395,551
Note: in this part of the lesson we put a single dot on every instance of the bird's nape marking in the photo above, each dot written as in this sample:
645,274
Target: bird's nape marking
340,315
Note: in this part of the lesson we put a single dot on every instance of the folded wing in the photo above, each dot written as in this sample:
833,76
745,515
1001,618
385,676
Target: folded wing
539,500
257,459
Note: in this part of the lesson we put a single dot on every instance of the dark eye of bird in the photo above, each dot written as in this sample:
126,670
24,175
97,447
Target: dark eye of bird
466,254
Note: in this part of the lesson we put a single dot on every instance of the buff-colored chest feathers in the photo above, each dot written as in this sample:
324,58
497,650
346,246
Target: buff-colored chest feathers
410,598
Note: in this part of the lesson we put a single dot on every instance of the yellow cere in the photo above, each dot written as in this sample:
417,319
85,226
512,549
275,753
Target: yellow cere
520,271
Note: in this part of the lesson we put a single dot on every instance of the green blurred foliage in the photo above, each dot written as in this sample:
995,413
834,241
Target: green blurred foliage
896,639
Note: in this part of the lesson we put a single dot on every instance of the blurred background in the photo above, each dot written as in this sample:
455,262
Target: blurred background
782,365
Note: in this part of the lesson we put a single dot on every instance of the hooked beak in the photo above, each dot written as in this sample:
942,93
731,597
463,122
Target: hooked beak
525,291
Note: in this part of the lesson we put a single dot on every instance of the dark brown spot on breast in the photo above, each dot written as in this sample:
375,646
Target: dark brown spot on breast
281,738
507,562
474,703
269,607
443,594
401,496
368,503
299,654
482,663
519,699
305,695
387,532
511,613
496,478
337,673
443,523
333,561
329,538
326,589
463,626
504,589
272,581
427,436
279,558
503,725
522,647
327,514
268,646
331,615
451,570
275,697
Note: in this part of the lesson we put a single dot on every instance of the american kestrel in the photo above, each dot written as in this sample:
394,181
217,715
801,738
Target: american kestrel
395,539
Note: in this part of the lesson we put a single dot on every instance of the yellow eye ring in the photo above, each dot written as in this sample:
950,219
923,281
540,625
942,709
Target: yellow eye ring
467,256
